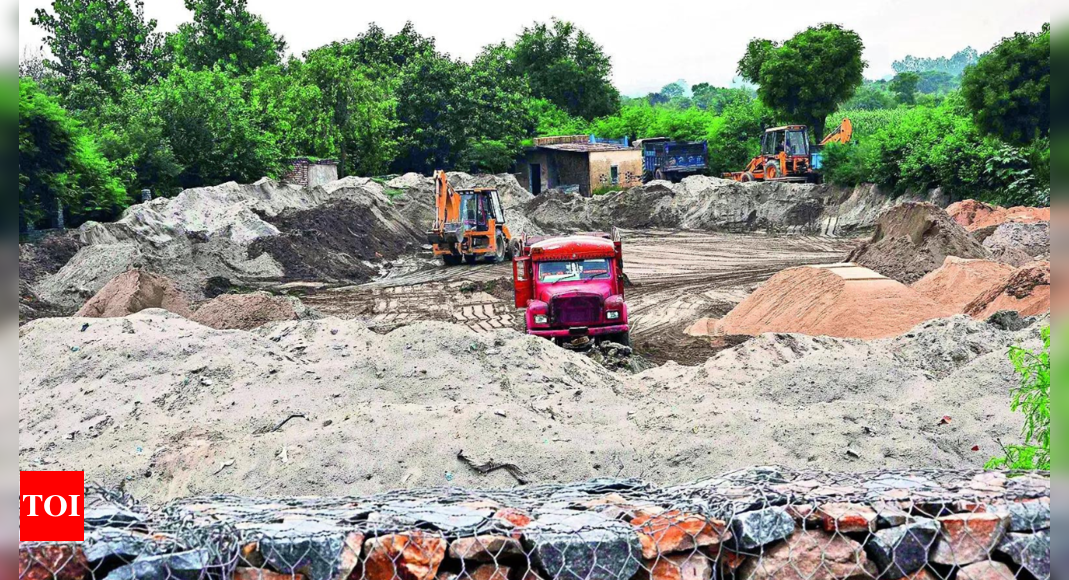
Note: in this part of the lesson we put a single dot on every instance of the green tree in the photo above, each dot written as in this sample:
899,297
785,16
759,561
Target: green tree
717,99
59,163
952,66
500,117
131,135
1008,91
97,39
806,78
566,67
871,96
224,33
904,86
213,129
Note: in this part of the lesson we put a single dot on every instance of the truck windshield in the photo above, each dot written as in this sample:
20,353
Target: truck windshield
573,271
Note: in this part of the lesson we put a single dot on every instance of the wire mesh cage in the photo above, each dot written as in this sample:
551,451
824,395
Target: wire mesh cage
760,524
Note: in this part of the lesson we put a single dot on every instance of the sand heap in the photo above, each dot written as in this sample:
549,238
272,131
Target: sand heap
244,311
841,300
206,233
1026,291
1018,244
328,406
913,239
976,215
414,197
134,291
958,282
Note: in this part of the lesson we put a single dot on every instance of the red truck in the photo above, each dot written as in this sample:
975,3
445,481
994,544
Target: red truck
572,286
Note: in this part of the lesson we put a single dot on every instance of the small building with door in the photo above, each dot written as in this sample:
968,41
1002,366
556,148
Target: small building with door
578,162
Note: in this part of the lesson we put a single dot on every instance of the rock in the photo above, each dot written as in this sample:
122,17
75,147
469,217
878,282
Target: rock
409,556
987,570
484,572
891,516
847,517
694,566
1029,516
674,531
755,529
262,574
904,550
804,514
810,555
582,546
52,562
453,519
315,550
134,291
968,538
518,518
485,548
110,545
112,516
181,566
1029,551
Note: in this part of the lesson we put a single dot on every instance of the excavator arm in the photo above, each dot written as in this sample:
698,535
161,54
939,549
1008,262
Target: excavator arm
842,134
446,202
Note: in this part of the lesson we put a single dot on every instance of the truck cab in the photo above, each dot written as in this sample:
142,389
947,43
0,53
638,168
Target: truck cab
572,286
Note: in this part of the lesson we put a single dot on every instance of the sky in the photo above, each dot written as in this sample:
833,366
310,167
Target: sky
697,42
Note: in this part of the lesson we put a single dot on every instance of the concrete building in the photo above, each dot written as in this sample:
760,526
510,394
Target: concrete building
573,161
311,172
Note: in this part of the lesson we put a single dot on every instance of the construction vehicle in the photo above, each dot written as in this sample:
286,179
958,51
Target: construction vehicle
572,287
663,158
468,224
787,154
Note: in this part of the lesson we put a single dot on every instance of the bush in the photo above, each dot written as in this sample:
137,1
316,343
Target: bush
1032,397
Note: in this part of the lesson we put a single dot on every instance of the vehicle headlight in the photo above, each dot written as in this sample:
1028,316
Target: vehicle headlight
612,315
541,319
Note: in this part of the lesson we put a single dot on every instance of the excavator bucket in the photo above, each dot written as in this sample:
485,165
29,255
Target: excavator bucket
842,134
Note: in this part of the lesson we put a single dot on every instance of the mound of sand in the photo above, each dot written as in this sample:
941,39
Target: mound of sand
913,239
327,406
205,233
1018,244
415,197
134,291
1026,291
958,282
976,215
841,300
244,311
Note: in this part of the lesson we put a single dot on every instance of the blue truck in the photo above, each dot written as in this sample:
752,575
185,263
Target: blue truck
663,158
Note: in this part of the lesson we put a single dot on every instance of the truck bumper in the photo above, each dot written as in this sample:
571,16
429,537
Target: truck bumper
580,331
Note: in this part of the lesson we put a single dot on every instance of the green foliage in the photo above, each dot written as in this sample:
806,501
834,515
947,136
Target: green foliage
59,163
904,86
1008,91
716,99
551,120
224,33
1032,397
871,96
937,82
566,67
807,77
98,40
212,128
952,66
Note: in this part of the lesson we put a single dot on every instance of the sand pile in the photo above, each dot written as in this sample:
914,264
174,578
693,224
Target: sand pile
958,282
1026,291
976,215
841,300
134,291
710,203
244,311
913,239
200,234
1018,244
327,406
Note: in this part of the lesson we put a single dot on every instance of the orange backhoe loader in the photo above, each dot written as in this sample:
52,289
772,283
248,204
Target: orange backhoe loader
468,224
787,155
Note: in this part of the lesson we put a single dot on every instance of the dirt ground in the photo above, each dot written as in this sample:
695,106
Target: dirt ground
676,276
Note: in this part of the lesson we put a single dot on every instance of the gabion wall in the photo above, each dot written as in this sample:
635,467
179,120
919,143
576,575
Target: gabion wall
763,524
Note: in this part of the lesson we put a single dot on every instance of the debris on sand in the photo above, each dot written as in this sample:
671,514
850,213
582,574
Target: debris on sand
244,311
976,215
913,239
1018,244
959,281
400,407
134,291
841,300
1026,291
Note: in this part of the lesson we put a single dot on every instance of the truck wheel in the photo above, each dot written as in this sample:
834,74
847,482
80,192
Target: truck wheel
450,259
658,175
772,171
623,338
470,258
746,177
